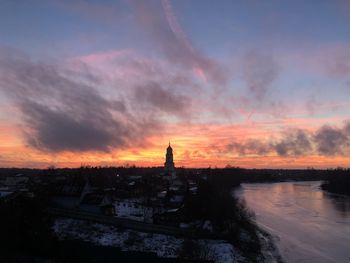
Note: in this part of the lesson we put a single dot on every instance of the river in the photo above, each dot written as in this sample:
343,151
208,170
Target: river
308,224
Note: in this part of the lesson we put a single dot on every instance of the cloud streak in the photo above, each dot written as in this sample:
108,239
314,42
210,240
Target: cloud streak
325,141
165,31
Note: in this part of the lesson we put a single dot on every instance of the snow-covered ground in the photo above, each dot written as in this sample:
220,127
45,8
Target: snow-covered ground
133,209
128,240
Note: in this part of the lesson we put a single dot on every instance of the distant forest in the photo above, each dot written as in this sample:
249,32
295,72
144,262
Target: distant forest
241,175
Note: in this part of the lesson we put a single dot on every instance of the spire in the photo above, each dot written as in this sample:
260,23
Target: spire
169,147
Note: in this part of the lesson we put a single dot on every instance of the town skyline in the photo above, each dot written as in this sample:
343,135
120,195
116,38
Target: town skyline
239,83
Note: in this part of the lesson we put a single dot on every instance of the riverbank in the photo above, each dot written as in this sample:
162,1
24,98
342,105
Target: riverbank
337,182
269,249
336,187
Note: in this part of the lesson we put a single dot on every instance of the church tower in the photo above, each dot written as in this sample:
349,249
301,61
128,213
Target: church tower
169,165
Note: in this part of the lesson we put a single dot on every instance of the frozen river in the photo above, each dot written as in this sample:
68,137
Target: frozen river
309,225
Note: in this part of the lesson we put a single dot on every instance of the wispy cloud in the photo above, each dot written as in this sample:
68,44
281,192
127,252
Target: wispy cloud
153,94
259,71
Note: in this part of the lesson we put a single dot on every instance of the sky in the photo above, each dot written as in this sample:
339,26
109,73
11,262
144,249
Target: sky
248,83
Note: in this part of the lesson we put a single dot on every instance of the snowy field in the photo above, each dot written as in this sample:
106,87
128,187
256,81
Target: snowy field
219,251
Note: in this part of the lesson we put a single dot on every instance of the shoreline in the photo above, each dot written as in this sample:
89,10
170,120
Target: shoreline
269,249
333,192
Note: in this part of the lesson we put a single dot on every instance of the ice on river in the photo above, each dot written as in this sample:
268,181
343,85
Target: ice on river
309,224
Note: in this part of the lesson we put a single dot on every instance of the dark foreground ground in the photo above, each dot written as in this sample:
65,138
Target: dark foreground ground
25,226
79,251
27,235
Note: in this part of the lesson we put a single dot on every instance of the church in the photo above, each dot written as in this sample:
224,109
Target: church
169,166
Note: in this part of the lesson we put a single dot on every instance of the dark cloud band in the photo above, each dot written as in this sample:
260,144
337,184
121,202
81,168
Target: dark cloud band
63,110
327,141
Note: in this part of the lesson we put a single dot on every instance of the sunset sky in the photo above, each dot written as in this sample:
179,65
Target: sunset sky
248,83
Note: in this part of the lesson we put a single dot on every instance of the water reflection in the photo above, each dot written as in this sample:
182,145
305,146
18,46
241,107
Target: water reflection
312,225
341,204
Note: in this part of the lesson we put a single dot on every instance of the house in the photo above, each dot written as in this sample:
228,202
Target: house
193,190
77,193
162,194
97,203
69,194
17,181
7,195
134,209
177,199
170,217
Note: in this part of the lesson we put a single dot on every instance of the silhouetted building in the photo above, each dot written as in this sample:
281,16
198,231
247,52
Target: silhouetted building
169,165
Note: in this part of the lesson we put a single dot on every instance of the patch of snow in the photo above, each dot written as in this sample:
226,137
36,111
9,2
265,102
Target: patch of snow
219,251
5,193
173,210
184,225
208,226
133,209
268,248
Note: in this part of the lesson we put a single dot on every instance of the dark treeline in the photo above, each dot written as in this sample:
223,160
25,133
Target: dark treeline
338,181
228,215
240,174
